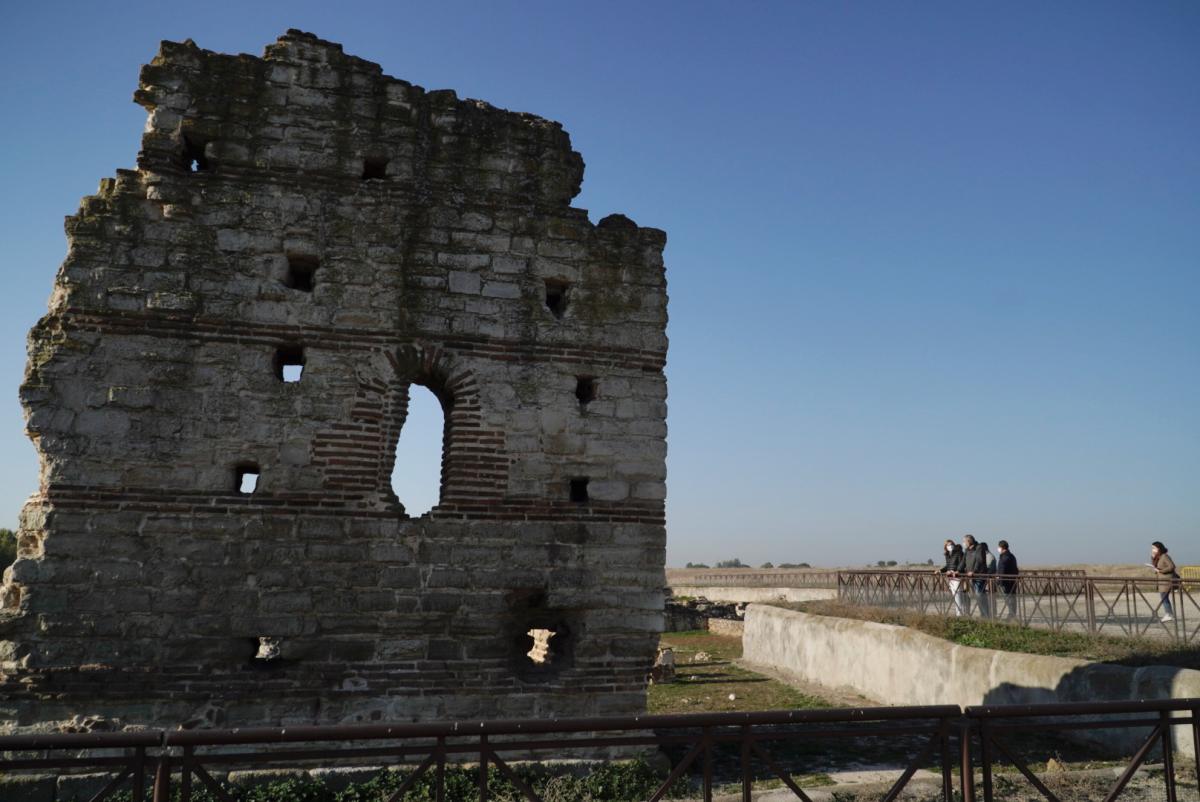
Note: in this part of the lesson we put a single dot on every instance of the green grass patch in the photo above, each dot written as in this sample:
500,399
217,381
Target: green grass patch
1015,638
619,781
705,685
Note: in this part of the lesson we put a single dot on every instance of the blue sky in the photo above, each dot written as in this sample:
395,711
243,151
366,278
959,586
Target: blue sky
934,267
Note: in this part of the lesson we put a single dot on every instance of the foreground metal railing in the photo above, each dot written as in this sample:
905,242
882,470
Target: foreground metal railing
745,746
1097,605
997,726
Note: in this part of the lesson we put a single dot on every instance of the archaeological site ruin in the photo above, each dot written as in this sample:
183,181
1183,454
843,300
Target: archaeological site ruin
217,391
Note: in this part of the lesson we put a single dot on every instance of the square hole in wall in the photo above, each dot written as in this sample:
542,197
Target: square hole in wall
246,478
585,389
374,168
268,649
557,291
289,363
301,272
579,490
193,158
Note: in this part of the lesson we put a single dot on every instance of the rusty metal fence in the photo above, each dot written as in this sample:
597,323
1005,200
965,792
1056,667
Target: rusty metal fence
800,578
1096,605
743,578
962,749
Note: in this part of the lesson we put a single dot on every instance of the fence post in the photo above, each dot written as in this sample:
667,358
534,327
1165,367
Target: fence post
968,773
162,778
1055,589
139,774
185,774
1168,755
483,768
707,740
947,763
440,780
1195,711
985,759
1090,597
747,774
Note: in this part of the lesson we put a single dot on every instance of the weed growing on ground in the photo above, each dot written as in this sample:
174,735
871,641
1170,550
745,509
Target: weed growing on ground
713,683
618,781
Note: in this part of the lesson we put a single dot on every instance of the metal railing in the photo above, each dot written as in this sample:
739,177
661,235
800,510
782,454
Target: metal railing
736,578
995,726
1096,605
776,578
942,738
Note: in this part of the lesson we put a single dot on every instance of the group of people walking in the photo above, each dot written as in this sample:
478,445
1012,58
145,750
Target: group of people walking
969,564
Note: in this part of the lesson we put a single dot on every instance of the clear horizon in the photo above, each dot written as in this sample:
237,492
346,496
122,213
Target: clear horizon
933,269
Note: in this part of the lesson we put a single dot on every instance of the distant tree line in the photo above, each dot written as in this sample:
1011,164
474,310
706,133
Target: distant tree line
736,563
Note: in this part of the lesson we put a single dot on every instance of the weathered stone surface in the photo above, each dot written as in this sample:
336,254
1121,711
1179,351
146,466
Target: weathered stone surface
304,209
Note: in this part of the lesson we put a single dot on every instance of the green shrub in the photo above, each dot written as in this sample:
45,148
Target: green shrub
623,781
8,548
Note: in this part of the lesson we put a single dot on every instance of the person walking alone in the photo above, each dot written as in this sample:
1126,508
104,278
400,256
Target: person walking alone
952,569
976,569
1006,567
1167,577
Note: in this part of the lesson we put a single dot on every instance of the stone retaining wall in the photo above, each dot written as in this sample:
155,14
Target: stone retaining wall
899,666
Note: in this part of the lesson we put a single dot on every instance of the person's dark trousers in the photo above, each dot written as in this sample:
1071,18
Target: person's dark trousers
981,598
1009,589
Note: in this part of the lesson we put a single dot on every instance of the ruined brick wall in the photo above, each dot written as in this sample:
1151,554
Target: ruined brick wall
303,208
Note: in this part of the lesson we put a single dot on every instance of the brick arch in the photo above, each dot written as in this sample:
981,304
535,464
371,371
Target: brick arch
474,467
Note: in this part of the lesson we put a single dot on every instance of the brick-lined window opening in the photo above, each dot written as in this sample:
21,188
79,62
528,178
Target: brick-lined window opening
374,169
245,478
557,292
473,465
193,158
420,452
585,390
301,272
579,490
289,363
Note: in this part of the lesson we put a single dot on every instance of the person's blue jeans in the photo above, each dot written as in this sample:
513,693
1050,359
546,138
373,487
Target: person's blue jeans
1166,604
981,596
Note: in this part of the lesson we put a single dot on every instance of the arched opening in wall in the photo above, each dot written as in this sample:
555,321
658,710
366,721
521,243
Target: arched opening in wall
417,472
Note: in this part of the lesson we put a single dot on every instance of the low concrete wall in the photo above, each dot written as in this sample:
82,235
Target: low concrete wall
899,666
753,594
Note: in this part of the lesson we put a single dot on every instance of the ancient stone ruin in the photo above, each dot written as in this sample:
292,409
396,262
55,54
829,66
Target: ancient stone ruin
215,543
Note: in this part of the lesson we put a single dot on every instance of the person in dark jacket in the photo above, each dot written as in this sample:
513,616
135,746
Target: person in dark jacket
1006,567
976,569
952,569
